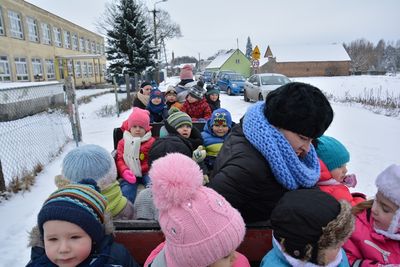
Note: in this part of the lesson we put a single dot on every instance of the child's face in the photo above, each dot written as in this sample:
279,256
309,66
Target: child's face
220,130
191,99
156,101
339,173
65,243
214,97
185,130
299,143
225,261
137,131
170,98
383,211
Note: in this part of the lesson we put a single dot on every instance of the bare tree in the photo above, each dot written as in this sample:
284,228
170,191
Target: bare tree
361,53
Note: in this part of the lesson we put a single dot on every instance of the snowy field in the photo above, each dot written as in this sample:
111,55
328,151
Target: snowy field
371,139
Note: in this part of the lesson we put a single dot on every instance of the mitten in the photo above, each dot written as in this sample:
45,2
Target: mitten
199,154
128,176
350,180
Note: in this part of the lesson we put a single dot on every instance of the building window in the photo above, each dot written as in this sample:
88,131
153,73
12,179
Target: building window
37,69
32,29
97,48
69,65
93,47
74,41
1,22
84,69
237,61
87,45
21,69
46,33
15,25
50,74
57,36
90,69
67,39
78,69
5,73
81,44
61,68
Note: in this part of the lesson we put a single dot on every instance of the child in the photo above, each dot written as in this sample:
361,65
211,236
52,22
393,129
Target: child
142,97
201,228
376,239
333,180
196,105
156,106
214,134
94,162
309,227
74,230
212,97
171,99
132,151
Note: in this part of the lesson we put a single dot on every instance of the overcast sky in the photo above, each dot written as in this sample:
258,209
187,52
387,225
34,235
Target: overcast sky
210,25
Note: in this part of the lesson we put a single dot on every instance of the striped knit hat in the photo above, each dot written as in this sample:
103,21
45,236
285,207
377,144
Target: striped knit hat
80,204
178,118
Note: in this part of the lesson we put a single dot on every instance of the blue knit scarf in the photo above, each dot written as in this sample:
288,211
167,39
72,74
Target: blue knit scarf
289,170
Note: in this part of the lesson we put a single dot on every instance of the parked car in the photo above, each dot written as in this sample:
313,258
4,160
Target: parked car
232,83
208,76
259,85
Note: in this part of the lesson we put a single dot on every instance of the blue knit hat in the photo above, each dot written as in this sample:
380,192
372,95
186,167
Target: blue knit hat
80,204
332,152
221,117
156,93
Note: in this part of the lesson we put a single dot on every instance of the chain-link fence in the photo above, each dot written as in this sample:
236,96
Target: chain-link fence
34,126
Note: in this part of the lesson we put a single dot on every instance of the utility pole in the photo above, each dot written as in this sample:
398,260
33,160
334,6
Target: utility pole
154,11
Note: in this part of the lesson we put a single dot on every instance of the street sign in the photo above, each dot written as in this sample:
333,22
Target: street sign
255,63
256,53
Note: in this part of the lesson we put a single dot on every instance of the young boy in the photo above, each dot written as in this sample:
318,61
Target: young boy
132,153
214,134
156,107
196,105
73,230
333,157
212,97
171,99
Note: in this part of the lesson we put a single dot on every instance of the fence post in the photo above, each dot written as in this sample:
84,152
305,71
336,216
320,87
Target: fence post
73,112
2,181
116,96
128,88
136,82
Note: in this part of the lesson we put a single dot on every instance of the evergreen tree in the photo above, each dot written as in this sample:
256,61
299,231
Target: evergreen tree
249,48
129,41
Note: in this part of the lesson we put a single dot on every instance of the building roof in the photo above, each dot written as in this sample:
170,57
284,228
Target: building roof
220,60
307,53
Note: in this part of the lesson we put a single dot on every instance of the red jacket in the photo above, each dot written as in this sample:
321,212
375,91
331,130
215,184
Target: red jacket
368,247
338,191
144,153
197,110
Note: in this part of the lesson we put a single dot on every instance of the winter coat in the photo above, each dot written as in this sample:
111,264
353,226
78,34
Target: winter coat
213,104
197,110
240,261
107,254
243,176
157,116
338,191
182,89
144,153
175,104
368,248
195,138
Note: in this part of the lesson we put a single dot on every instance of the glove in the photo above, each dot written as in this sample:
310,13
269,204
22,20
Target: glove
128,176
199,154
206,180
350,180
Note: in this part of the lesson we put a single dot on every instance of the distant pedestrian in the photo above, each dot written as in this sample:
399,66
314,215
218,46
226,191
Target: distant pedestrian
186,76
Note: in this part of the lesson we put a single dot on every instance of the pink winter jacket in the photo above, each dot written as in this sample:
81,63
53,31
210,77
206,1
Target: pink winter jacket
241,260
368,248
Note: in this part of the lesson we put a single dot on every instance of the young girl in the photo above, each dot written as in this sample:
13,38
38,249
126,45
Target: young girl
132,153
201,228
196,105
334,180
212,97
376,239
73,230
156,107
171,99
142,97
214,134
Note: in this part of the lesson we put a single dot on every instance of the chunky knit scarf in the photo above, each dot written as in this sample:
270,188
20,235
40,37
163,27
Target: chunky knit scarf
116,201
143,98
289,170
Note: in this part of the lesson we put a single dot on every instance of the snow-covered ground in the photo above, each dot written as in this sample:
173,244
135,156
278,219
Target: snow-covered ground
372,140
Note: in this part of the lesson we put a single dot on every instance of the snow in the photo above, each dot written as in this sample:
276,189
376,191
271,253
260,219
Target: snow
371,139
7,85
220,60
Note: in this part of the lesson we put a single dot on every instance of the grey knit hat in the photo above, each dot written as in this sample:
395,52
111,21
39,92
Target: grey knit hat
178,118
196,92
144,207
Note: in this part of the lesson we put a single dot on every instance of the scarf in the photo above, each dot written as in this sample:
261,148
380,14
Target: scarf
157,109
289,170
116,201
143,98
132,151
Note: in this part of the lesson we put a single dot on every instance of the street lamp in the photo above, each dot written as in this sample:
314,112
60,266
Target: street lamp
155,35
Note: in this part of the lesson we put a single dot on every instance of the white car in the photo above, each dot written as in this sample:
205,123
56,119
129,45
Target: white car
259,85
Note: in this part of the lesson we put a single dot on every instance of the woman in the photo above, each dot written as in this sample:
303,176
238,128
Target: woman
142,97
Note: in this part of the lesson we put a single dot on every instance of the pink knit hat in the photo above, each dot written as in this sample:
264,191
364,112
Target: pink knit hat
139,117
186,72
199,225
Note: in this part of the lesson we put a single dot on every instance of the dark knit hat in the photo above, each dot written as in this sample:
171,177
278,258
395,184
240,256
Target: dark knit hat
211,89
196,91
144,84
80,204
169,144
332,152
300,108
177,118
306,221
156,93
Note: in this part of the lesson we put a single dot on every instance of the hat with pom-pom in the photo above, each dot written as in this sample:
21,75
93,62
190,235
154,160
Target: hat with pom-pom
199,225
139,117
177,118
388,183
80,204
186,72
196,92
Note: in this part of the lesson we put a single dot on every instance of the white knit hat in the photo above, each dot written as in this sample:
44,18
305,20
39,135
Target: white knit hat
388,183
